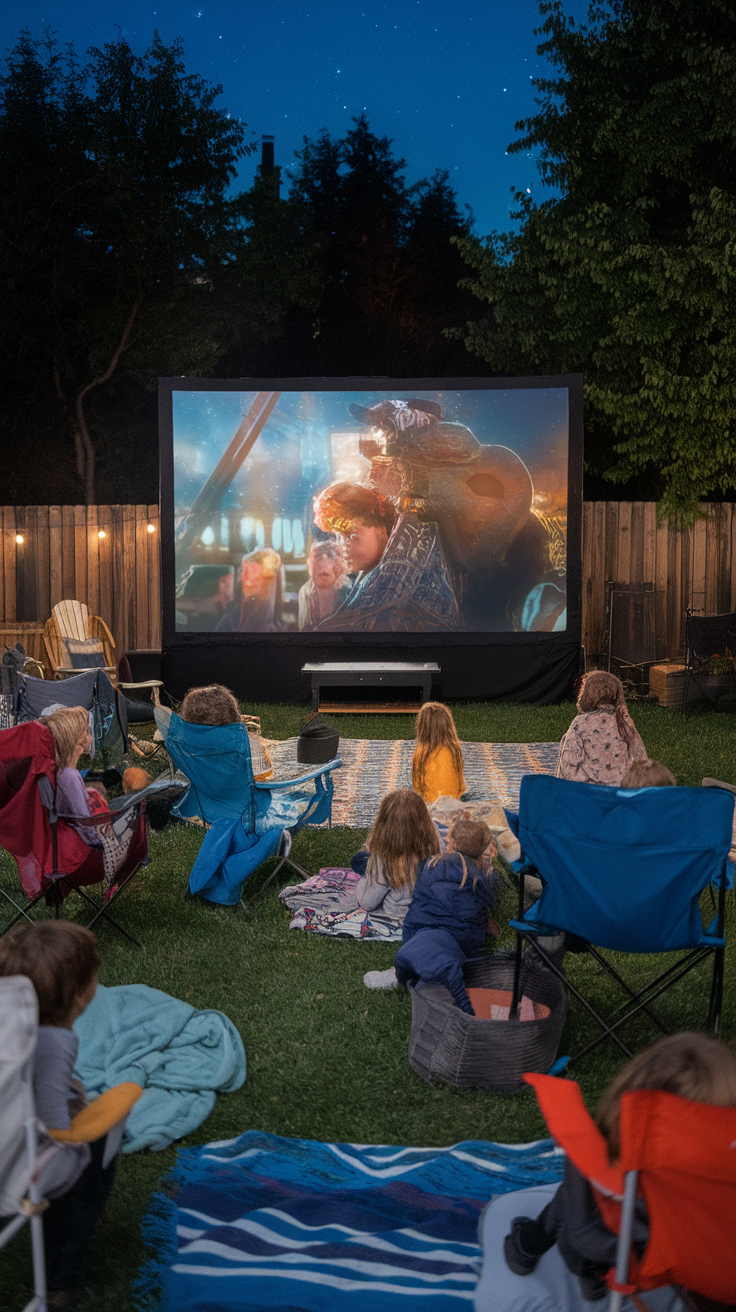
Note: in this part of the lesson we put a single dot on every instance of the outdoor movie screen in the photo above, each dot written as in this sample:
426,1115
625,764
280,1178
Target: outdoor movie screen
336,511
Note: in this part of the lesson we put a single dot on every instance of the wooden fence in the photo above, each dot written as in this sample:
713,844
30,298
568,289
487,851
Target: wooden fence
63,555
102,555
695,567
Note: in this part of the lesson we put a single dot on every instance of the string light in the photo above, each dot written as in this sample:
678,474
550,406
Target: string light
19,539
102,533
151,528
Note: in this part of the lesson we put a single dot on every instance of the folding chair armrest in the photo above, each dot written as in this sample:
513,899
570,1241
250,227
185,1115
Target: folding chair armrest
101,1115
271,784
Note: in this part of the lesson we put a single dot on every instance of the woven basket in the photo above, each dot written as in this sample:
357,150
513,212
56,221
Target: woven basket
448,1044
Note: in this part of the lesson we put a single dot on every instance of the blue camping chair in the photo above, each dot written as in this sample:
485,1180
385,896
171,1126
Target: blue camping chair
245,819
624,870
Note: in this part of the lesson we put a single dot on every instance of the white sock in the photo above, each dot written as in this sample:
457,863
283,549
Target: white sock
381,979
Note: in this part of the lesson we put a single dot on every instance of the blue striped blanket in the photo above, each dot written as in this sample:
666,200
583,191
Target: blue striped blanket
265,1222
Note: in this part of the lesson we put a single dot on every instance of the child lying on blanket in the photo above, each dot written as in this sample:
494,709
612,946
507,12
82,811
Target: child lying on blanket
402,836
61,961
689,1065
448,917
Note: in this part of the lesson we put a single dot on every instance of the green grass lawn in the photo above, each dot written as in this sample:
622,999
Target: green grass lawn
327,1059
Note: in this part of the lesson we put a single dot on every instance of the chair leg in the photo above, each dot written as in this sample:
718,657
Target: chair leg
22,911
285,861
716,993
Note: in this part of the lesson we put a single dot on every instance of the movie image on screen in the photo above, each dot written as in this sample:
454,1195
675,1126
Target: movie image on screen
357,511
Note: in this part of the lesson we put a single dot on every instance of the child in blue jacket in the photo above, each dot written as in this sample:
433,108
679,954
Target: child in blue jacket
447,921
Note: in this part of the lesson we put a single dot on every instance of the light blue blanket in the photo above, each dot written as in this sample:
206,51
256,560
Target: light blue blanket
182,1057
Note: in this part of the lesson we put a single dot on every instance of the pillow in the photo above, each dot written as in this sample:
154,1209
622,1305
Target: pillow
82,654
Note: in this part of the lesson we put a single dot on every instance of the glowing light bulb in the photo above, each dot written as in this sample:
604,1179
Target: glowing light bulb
151,528
19,538
102,533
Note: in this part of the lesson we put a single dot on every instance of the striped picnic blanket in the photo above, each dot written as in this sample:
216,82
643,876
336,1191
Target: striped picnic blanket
266,1222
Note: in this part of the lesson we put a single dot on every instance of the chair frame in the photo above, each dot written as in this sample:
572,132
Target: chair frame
641,1001
36,1204
62,884
691,658
270,785
74,614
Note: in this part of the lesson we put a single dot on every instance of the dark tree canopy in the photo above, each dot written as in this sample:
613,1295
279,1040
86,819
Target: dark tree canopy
115,226
629,276
368,277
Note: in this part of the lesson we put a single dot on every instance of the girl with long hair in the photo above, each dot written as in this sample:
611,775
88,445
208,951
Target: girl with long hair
602,741
437,764
69,728
402,837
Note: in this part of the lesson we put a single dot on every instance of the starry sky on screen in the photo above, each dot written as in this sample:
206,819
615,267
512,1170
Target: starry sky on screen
445,81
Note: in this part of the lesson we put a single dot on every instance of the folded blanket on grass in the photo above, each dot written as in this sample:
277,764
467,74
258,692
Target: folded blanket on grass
326,904
265,1222
182,1057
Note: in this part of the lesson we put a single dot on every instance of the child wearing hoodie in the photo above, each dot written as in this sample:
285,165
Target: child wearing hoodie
447,920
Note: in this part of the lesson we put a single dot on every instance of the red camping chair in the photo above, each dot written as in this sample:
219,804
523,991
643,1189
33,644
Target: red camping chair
52,858
681,1156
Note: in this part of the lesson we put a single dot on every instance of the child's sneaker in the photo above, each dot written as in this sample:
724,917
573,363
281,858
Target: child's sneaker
381,979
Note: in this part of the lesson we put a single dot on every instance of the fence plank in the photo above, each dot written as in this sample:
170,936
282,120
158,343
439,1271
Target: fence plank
93,561
697,575
154,579
67,552
611,570
105,566
636,569
624,542
660,588
140,592
129,634
80,553
9,564
43,564
55,588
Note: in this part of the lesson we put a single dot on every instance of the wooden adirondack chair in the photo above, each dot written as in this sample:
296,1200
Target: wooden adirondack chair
71,619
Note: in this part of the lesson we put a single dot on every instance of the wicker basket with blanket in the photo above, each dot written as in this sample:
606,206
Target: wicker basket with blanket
470,1052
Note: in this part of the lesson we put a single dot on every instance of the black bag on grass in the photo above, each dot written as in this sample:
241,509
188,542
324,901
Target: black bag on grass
318,742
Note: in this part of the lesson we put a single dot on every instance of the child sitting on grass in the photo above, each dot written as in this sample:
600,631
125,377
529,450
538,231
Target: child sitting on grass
447,920
691,1066
437,764
402,836
602,741
61,961
648,774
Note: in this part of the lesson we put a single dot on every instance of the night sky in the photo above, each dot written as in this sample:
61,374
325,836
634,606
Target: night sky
445,81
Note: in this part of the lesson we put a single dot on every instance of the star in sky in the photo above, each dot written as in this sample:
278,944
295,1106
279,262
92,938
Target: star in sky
446,82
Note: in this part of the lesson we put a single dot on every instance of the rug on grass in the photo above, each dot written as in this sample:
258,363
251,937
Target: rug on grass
371,768
265,1222
327,904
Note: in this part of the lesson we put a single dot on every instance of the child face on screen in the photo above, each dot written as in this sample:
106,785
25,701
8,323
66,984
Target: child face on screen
363,545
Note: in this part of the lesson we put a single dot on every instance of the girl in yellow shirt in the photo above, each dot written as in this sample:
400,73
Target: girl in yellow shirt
437,764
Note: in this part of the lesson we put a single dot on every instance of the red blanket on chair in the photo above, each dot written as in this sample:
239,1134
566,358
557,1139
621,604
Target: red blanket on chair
27,754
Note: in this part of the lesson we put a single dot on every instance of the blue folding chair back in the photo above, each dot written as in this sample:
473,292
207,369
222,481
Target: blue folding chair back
246,817
625,870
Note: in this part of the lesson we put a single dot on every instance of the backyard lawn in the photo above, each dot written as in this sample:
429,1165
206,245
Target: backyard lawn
327,1059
